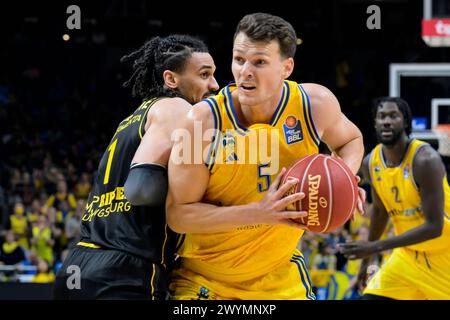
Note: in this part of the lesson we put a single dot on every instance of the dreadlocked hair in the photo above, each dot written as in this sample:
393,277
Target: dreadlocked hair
154,57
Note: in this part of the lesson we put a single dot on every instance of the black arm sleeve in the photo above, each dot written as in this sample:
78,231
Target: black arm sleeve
146,185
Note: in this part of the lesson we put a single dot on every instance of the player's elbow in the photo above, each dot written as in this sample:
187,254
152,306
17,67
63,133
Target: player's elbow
146,185
435,229
173,218
437,232
139,197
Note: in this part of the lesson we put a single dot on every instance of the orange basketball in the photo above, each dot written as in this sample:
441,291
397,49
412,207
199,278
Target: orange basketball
331,192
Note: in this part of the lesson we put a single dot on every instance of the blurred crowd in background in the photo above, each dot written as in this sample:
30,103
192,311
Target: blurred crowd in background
60,103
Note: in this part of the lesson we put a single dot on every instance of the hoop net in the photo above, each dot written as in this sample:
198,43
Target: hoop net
443,133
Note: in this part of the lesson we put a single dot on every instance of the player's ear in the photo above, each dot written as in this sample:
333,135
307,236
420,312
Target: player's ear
170,79
288,67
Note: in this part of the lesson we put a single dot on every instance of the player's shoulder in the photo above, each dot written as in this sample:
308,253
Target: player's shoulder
427,163
426,155
317,91
203,112
170,105
366,160
322,101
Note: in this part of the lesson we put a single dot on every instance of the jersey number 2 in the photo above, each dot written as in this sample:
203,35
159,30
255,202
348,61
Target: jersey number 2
395,191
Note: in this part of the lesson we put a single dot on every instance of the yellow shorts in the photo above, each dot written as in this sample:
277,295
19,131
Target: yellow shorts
290,281
412,275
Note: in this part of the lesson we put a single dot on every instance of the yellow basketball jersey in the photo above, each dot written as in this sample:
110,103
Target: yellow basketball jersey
243,163
400,196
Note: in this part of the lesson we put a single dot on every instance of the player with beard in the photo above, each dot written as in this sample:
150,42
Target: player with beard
126,247
409,185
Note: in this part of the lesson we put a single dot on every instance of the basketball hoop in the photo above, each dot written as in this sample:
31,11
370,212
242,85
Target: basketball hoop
443,134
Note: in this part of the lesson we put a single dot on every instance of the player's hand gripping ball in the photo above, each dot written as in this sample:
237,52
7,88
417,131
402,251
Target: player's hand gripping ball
331,192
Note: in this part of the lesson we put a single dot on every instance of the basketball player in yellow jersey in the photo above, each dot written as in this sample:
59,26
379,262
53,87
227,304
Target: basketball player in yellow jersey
410,186
239,240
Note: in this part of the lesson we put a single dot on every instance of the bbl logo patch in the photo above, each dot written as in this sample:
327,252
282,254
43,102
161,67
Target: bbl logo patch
292,130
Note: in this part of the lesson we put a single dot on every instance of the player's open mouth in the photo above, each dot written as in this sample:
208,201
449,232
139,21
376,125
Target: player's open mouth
247,87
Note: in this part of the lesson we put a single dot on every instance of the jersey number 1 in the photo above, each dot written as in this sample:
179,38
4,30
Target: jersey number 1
111,150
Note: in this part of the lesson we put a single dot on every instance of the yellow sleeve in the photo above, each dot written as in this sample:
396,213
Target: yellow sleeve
72,201
50,201
35,231
47,234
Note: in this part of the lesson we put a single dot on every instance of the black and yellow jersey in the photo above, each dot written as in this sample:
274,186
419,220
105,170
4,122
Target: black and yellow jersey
110,221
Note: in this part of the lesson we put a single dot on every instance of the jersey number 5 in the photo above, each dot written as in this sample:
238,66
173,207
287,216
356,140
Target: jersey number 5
263,173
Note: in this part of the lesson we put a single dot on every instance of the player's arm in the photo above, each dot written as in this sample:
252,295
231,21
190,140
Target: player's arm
188,181
378,221
378,216
335,129
340,134
146,183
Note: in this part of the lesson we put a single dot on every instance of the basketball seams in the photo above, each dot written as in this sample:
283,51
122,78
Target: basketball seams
305,175
330,198
328,169
351,183
292,168
289,172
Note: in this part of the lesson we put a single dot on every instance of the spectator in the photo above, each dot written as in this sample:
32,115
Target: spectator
11,253
30,261
38,180
56,223
64,212
42,241
43,275
72,226
19,225
61,195
34,212
83,186
325,259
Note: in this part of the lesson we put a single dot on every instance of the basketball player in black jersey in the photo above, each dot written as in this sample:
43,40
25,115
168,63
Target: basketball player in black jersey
126,246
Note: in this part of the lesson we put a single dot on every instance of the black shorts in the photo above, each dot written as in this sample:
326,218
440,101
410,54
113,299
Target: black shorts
109,274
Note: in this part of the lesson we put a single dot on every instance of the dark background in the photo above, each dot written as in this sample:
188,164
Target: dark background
64,99
60,101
